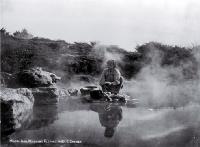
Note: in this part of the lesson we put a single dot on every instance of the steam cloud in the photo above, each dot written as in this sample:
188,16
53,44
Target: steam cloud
154,86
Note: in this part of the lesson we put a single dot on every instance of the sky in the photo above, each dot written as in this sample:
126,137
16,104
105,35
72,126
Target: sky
125,23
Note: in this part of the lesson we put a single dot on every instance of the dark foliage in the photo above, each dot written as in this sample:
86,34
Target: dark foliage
174,56
79,58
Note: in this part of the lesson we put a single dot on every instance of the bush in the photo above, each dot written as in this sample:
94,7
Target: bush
81,58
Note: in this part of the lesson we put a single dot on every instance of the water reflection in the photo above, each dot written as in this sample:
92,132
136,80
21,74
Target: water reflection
109,116
101,124
43,116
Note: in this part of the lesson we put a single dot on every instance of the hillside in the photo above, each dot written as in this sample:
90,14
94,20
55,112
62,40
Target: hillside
78,58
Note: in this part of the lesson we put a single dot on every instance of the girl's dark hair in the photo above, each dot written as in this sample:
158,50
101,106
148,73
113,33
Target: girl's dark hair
111,63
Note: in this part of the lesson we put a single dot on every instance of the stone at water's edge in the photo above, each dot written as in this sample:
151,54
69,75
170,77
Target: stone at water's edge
73,92
87,89
31,78
46,95
16,106
36,77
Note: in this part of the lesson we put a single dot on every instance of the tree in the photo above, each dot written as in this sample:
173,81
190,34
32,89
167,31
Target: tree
23,34
4,32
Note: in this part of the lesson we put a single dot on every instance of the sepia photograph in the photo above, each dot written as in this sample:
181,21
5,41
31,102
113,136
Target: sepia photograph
100,73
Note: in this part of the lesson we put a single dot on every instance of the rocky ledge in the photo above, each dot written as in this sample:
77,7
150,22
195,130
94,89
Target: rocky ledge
36,77
16,107
45,95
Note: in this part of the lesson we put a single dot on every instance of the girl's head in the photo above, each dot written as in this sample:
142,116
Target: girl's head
111,64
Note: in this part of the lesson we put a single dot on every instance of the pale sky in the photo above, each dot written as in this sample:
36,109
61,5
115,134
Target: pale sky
125,23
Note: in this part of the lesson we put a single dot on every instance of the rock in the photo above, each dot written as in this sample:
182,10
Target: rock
86,90
46,95
118,98
73,92
63,92
16,107
36,77
96,94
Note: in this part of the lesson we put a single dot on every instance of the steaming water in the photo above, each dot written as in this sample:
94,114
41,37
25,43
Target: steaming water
74,120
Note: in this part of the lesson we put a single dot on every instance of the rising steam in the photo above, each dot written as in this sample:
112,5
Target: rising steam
158,86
